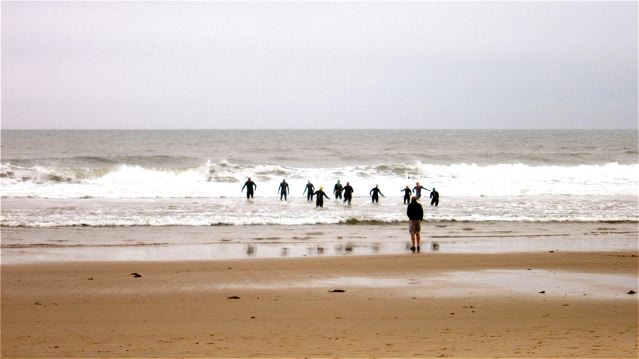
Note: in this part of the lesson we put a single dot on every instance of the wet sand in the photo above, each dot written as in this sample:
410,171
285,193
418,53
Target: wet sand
185,243
408,305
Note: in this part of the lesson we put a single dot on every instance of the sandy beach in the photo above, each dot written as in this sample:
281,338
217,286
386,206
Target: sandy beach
539,303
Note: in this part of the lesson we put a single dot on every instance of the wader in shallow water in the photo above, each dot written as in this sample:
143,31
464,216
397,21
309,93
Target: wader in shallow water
283,190
309,190
250,186
348,193
407,192
319,200
375,192
337,190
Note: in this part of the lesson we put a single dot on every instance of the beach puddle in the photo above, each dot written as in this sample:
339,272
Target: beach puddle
551,284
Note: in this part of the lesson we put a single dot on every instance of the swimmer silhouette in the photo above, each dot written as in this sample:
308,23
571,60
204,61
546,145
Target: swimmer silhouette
418,190
283,190
348,193
250,186
319,200
435,198
407,192
309,189
375,193
337,190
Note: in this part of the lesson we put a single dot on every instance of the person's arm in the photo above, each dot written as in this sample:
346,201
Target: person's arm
254,185
370,192
243,187
380,192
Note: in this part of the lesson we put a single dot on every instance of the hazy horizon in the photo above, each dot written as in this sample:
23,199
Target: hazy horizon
319,65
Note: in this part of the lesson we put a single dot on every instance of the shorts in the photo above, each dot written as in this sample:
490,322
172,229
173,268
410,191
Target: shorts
414,227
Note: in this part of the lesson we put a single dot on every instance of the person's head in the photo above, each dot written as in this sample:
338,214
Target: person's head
417,184
348,183
337,181
407,186
249,178
309,181
376,186
433,189
321,188
413,199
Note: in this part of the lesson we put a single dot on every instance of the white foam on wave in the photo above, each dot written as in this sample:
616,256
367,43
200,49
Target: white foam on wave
224,179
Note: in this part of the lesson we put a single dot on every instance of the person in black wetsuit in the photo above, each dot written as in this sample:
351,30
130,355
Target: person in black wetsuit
337,190
375,193
407,192
348,193
250,186
418,190
319,200
309,190
283,190
435,198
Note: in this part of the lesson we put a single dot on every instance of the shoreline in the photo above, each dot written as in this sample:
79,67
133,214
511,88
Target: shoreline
202,243
449,304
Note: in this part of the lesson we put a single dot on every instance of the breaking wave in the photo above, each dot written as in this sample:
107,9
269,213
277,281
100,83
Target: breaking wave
225,179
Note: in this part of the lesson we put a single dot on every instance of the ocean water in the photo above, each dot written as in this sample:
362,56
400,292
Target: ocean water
195,177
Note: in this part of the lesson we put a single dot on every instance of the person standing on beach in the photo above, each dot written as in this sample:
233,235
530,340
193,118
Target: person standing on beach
415,214
319,200
309,190
407,192
283,190
250,186
348,193
375,192
337,190
435,197
418,190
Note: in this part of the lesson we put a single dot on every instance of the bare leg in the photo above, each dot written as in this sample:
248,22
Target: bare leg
412,242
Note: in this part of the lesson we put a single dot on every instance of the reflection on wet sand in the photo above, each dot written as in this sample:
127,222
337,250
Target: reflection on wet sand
562,284
21,245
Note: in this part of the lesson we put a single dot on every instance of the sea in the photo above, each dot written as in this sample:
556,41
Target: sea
60,178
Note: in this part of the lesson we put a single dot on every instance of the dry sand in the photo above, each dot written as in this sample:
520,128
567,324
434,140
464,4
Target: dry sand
409,305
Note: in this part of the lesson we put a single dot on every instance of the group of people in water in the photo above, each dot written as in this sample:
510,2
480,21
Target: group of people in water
414,210
340,192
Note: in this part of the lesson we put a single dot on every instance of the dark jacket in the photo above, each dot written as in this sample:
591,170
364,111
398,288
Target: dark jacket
415,211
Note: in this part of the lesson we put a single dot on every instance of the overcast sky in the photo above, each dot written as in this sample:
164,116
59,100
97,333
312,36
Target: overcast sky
311,65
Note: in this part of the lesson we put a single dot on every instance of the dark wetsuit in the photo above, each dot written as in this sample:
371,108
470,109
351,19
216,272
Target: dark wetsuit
309,191
375,192
250,186
418,190
435,198
407,193
337,190
319,200
348,193
283,190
